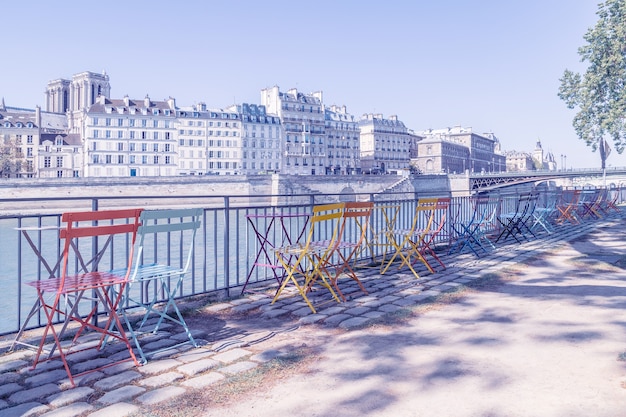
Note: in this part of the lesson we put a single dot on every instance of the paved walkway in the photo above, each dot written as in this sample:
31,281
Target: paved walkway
551,341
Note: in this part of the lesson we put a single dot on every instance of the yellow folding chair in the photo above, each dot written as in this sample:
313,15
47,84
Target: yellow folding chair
412,239
307,263
352,239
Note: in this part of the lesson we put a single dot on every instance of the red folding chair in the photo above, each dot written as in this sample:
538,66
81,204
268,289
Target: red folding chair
69,292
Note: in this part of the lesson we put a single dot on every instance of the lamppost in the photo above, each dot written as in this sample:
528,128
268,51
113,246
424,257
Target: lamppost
565,162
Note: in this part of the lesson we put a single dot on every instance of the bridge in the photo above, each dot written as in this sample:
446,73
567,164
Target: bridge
571,177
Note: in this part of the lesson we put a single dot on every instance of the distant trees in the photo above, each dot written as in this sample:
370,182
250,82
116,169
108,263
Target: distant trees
11,157
599,94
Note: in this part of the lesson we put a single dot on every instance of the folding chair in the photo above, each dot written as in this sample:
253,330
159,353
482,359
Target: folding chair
307,263
159,271
586,204
567,206
355,221
439,215
610,202
518,222
411,239
70,290
544,212
473,232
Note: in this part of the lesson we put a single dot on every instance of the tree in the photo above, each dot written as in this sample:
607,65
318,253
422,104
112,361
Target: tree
600,93
11,158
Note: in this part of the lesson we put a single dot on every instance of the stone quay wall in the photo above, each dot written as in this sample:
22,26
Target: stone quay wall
50,195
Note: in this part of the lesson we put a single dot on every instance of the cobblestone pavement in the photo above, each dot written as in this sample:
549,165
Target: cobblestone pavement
124,389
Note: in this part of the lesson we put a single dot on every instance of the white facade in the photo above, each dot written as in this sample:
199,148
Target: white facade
22,130
209,141
60,156
385,144
343,143
124,137
261,137
304,150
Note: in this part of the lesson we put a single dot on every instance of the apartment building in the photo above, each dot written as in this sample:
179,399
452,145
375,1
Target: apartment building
385,144
261,137
209,141
21,131
304,150
60,155
342,138
125,137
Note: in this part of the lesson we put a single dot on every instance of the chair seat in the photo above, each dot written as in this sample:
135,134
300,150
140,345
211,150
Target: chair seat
153,271
317,247
80,282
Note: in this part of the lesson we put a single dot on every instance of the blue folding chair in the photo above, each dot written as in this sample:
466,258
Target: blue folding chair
159,271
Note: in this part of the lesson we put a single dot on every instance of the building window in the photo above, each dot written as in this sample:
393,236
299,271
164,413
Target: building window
59,174
59,162
47,162
120,159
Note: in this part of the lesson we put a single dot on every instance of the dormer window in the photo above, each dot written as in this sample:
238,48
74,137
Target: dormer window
155,112
7,124
29,124
19,124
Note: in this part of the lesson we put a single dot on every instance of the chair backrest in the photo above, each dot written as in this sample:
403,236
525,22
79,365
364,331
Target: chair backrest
93,224
325,223
183,222
424,215
359,213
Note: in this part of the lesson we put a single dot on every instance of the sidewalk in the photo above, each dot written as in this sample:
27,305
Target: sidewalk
537,330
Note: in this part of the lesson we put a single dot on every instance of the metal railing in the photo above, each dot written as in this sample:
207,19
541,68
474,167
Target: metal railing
224,254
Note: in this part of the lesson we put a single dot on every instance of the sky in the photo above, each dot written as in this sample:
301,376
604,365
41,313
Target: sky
491,65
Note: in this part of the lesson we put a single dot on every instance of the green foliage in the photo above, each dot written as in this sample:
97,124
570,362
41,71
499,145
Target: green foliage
599,94
10,159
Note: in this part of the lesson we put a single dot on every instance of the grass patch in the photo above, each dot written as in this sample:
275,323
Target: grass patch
233,388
